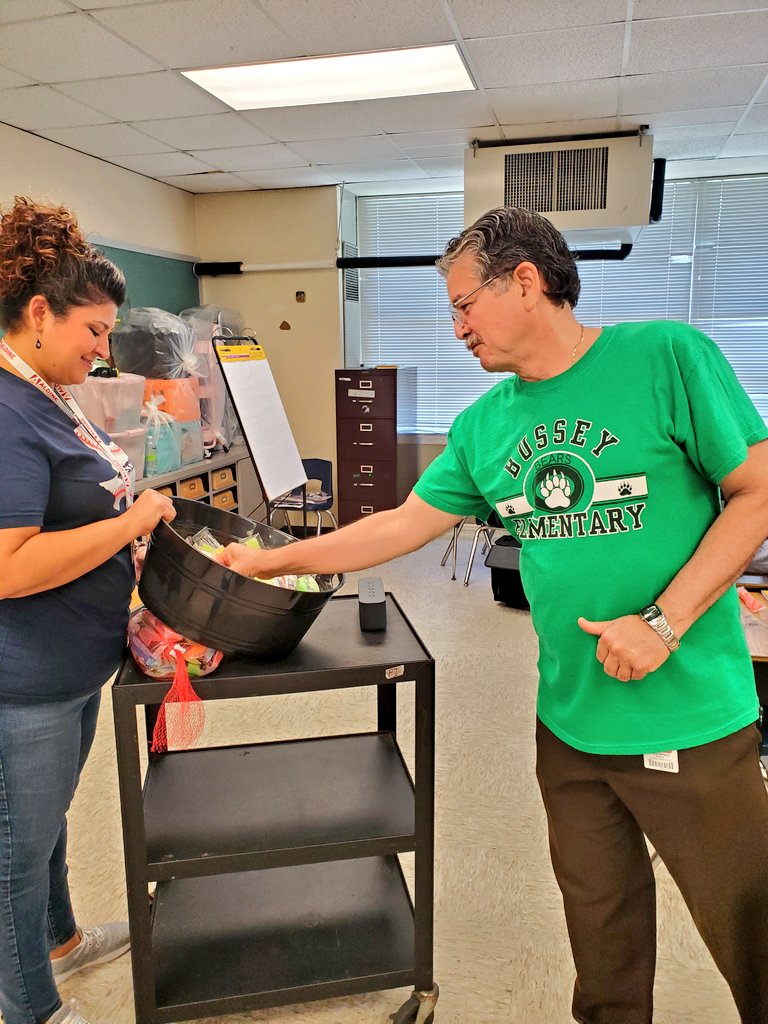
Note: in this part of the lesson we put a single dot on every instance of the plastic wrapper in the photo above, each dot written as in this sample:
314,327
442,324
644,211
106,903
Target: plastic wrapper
154,646
180,398
205,541
155,343
163,445
191,442
205,322
112,403
306,583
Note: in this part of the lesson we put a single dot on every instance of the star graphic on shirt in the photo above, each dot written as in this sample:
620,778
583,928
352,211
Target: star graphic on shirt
116,488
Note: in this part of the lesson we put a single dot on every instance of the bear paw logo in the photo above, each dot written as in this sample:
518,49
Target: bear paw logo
625,489
556,490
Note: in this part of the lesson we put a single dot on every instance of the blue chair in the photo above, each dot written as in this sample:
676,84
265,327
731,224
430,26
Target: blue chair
318,499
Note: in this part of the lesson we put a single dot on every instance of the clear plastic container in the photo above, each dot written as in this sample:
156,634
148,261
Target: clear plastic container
133,444
112,403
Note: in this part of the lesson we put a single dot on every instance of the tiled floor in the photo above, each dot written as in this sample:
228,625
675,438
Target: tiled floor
501,953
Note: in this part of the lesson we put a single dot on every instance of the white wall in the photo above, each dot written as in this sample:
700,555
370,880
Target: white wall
108,201
283,226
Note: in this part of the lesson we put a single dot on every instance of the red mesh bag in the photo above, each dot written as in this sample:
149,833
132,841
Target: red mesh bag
184,725
162,653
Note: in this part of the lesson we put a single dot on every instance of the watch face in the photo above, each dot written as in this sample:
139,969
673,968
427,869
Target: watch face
651,612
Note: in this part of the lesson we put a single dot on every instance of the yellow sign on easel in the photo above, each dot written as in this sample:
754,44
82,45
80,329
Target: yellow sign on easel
240,353
266,429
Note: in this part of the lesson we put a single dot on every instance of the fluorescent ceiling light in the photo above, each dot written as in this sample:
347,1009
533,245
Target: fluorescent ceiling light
336,79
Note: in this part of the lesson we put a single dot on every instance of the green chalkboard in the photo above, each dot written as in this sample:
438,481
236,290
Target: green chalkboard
159,281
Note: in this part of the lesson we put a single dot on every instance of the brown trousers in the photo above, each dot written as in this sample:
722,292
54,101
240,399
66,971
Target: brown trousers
709,824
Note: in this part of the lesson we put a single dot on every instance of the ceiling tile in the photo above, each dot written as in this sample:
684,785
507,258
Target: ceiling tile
426,113
336,151
421,153
459,136
756,119
40,106
212,131
61,49
746,145
684,8
290,177
213,182
24,10
681,90
105,140
198,33
664,118
327,26
555,129
249,158
442,167
141,97
688,149
561,101
477,18
569,55
317,121
693,131
162,165
9,79
714,41
394,169
91,5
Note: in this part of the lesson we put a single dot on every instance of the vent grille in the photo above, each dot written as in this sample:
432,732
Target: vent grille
557,180
351,278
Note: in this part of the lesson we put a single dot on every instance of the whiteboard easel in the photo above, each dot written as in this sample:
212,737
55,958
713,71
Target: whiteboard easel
266,430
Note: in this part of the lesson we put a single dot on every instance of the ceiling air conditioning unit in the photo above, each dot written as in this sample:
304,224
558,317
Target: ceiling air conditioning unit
597,191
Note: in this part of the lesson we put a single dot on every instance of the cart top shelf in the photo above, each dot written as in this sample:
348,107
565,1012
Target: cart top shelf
334,654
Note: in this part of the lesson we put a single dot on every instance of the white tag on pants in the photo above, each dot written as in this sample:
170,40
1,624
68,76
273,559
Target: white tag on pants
664,761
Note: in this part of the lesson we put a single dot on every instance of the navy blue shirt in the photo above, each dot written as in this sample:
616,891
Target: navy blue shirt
64,642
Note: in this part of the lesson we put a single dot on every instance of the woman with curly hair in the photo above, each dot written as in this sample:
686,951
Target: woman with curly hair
67,522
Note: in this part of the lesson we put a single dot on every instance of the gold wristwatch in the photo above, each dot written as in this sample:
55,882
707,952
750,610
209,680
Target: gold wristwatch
656,619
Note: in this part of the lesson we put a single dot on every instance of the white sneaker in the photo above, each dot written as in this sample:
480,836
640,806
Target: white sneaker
99,943
67,1015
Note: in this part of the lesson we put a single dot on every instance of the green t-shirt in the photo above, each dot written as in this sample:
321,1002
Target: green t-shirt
607,474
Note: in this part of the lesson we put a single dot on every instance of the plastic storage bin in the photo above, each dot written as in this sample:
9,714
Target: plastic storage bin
133,444
112,403
207,602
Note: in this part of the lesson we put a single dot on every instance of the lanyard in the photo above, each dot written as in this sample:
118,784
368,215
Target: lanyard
84,429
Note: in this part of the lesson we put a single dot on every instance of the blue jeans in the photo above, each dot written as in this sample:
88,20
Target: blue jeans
43,748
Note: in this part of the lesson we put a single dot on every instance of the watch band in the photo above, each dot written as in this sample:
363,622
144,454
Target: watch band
656,619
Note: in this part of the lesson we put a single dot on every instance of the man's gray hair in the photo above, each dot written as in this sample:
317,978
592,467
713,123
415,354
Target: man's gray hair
505,237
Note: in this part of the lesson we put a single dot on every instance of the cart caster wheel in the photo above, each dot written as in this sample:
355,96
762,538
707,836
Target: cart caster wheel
408,1012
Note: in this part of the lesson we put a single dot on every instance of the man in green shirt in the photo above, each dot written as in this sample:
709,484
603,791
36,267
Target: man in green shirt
605,454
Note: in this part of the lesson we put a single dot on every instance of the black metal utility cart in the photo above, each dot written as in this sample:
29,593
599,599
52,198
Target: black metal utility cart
276,863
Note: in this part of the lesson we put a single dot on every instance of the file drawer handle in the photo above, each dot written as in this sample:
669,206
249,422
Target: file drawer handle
365,383
365,510
366,427
366,469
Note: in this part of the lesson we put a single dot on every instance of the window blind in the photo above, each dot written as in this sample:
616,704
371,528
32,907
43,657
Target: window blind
705,263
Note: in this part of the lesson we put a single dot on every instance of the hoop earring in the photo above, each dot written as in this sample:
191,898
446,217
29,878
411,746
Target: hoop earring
38,344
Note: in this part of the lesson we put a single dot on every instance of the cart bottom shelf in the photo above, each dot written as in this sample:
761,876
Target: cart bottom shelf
226,943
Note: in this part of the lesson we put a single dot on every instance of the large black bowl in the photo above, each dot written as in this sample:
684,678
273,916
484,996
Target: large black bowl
209,603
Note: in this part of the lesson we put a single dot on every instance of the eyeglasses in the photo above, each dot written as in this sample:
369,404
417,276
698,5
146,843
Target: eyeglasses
456,315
